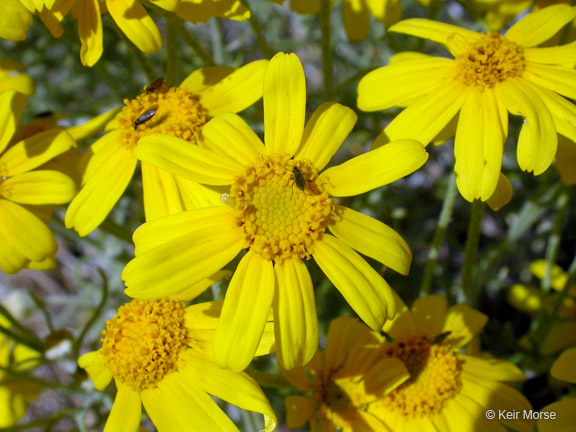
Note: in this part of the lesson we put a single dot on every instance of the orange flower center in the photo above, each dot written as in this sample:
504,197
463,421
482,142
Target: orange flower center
142,343
281,206
490,60
434,377
166,110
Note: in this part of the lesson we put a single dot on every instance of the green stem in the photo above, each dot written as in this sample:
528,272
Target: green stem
266,49
471,251
78,342
20,333
555,237
441,227
171,52
141,59
216,40
192,42
327,61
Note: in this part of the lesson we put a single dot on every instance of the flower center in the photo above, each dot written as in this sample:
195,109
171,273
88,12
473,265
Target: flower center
281,206
490,60
434,376
143,341
166,110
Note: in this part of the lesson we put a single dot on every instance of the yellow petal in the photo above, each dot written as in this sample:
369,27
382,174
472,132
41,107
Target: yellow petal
428,116
205,78
136,24
95,365
563,367
479,144
201,11
325,132
162,196
15,20
38,187
559,55
376,168
561,336
502,194
402,82
35,243
356,19
538,139
102,191
564,417
93,126
180,263
362,287
299,411
563,112
429,314
305,7
199,287
566,160
295,314
284,104
245,312
189,161
385,376
22,83
372,238
235,388
12,103
432,30
491,369
464,323
163,230
32,152
559,79
90,31
539,26
234,138
177,405
237,91
126,411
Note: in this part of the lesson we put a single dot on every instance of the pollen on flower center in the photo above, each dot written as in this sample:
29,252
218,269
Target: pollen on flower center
282,206
490,60
142,343
434,376
167,110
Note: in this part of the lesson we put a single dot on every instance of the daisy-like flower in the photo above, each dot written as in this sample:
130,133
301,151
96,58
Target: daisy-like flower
26,240
160,355
277,209
447,390
560,416
342,381
130,16
530,299
356,14
177,111
489,75
15,393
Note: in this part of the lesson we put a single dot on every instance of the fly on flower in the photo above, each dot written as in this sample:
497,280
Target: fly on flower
146,116
154,85
299,179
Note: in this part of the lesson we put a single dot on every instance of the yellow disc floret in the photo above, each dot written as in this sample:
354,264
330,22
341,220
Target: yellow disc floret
166,110
490,60
143,341
434,376
282,206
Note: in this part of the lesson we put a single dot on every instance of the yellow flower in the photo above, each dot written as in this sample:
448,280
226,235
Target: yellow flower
9,80
177,111
343,380
563,411
447,390
278,209
490,75
530,299
130,16
15,393
160,355
26,240
356,14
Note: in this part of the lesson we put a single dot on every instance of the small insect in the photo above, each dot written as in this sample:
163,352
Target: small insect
439,338
154,85
145,116
299,179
